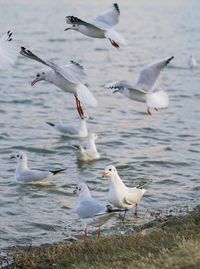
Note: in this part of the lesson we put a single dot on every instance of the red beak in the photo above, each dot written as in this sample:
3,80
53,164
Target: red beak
105,174
34,81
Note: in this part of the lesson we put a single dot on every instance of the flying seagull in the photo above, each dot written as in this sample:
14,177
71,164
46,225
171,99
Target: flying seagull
68,77
100,27
144,89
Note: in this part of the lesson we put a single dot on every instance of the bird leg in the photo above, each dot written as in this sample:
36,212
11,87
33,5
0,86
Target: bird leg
149,112
78,107
114,43
123,217
99,232
135,213
85,234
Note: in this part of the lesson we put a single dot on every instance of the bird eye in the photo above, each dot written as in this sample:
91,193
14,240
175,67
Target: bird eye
110,169
38,75
17,155
79,189
74,25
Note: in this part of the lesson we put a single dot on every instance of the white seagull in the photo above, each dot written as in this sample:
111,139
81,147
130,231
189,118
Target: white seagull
24,174
89,207
88,153
119,195
9,50
144,89
100,27
68,77
192,62
72,130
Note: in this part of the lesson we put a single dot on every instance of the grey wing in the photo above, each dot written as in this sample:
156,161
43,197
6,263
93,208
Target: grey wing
34,175
77,21
91,208
149,74
108,18
73,72
121,85
68,129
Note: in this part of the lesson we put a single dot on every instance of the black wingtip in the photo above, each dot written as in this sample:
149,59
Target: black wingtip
54,172
169,60
77,64
49,123
117,7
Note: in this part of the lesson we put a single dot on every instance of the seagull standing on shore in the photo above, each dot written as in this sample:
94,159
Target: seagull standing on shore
72,130
88,153
144,89
9,50
100,27
69,78
119,195
24,174
89,207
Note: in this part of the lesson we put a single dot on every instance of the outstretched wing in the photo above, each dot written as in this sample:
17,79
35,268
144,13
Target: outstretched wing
9,50
108,18
77,21
73,71
121,85
149,74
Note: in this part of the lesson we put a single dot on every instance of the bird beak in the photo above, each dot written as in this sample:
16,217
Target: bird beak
35,81
116,91
105,174
12,157
67,29
75,192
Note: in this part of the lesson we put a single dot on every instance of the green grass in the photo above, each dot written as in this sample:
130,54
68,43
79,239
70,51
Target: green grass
174,245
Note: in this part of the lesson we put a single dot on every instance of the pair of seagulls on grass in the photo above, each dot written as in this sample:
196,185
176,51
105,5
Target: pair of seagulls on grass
120,196
23,174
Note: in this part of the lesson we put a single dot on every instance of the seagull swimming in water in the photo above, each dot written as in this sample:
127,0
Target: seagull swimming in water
119,194
144,89
80,130
24,174
101,26
68,77
9,50
88,153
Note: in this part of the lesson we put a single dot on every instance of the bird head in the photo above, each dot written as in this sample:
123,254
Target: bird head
74,27
109,171
19,157
39,76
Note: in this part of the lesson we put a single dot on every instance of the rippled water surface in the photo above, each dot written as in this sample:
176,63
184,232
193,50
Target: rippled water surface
163,148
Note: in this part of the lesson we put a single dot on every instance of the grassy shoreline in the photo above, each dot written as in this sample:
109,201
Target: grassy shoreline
174,243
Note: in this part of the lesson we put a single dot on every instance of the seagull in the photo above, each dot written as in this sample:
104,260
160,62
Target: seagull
89,207
8,50
68,77
144,89
24,174
88,153
119,194
192,62
72,130
100,27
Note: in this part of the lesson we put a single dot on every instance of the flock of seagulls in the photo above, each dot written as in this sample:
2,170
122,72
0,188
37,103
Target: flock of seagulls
70,78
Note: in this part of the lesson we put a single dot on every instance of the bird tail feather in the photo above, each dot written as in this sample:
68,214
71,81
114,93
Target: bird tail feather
157,99
85,96
115,38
